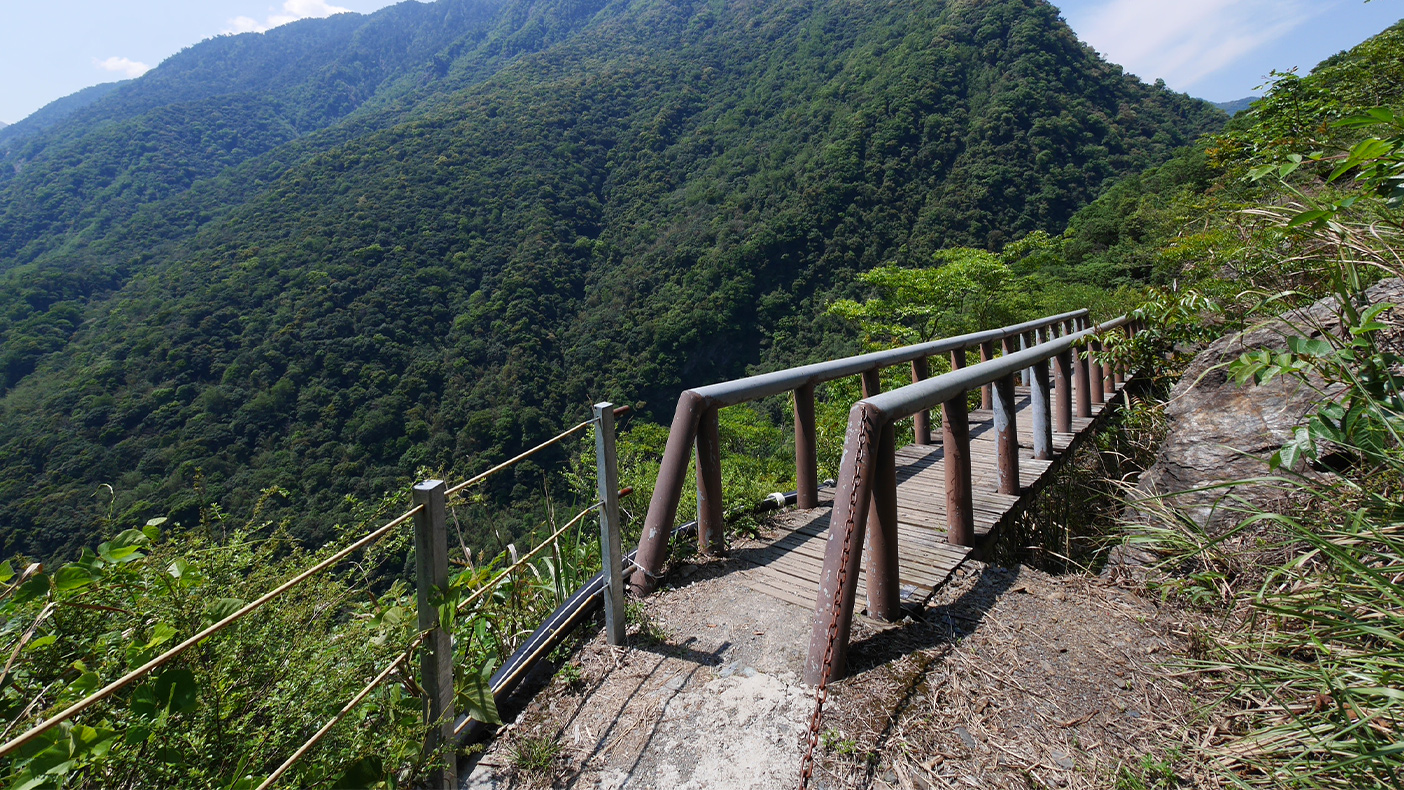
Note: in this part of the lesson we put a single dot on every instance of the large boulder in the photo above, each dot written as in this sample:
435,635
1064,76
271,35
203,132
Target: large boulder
1220,432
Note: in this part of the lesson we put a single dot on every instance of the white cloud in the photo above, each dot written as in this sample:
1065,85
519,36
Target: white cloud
124,66
293,10
1187,40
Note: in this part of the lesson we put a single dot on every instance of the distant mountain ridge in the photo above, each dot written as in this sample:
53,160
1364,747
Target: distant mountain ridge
1237,105
323,257
53,113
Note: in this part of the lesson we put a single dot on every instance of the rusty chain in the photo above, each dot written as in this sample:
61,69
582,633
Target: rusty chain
822,691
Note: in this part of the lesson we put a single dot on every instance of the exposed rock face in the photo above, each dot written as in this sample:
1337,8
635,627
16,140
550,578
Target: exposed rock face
1220,431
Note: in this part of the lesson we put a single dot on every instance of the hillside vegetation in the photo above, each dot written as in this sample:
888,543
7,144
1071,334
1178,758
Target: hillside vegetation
492,215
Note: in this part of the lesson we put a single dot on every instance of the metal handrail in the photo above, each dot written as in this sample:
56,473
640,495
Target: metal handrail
868,484
730,393
160,660
695,422
928,394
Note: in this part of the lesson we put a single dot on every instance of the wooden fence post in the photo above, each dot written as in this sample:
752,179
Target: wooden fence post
611,551
436,654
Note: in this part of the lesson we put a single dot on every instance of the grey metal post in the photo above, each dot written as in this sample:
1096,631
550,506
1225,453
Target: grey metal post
1040,398
436,654
1028,340
611,551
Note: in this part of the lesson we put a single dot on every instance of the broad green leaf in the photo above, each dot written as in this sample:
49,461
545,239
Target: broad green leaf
43,641
364,773
160,634
36,587
152,529
1310,348
135,735
177,690
72,577
476,696
6,572
85,683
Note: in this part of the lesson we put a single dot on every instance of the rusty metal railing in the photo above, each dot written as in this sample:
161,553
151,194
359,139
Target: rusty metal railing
867,484
695,423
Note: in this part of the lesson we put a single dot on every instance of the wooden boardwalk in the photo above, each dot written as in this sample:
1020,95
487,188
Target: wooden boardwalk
788,568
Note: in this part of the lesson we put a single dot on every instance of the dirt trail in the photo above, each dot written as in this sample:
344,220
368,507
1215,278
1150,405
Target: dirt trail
1008,678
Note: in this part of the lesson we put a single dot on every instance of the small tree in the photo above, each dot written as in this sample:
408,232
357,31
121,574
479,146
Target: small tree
966,290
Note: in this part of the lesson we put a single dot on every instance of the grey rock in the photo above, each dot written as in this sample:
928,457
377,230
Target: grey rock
1220,432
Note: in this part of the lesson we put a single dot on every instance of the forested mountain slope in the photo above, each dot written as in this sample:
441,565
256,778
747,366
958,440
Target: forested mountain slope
634,202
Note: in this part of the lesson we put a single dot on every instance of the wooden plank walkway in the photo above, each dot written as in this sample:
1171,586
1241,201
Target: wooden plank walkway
789,567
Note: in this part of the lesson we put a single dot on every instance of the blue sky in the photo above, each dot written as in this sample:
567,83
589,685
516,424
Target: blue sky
1216,49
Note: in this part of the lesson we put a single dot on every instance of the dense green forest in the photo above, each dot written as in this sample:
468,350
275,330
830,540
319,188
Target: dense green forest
208,297
449,281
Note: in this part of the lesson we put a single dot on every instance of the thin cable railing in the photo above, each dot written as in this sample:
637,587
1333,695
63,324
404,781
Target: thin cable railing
428,516
365,691
144,669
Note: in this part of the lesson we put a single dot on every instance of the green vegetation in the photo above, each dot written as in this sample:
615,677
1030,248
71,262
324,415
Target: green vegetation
227,711
589,203
1296,200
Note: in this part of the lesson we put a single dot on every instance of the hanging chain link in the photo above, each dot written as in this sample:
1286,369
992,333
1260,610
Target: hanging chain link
821,693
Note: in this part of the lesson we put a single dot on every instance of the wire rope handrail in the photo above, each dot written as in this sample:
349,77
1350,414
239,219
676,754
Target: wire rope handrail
118,684
9,747
538,448
413,645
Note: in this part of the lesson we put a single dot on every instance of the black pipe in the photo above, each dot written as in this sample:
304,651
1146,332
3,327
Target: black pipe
555,628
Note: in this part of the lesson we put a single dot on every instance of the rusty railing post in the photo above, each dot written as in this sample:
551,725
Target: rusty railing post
1062,391
960,505
1082,391
806,451
611,551
711,537
1040,399
663,508
843,552
872,382
884,586
986,354
1006,435
1108,379
1094,362
436,652
921,421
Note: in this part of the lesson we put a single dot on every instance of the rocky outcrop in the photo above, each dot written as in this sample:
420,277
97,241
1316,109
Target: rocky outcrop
1221,432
